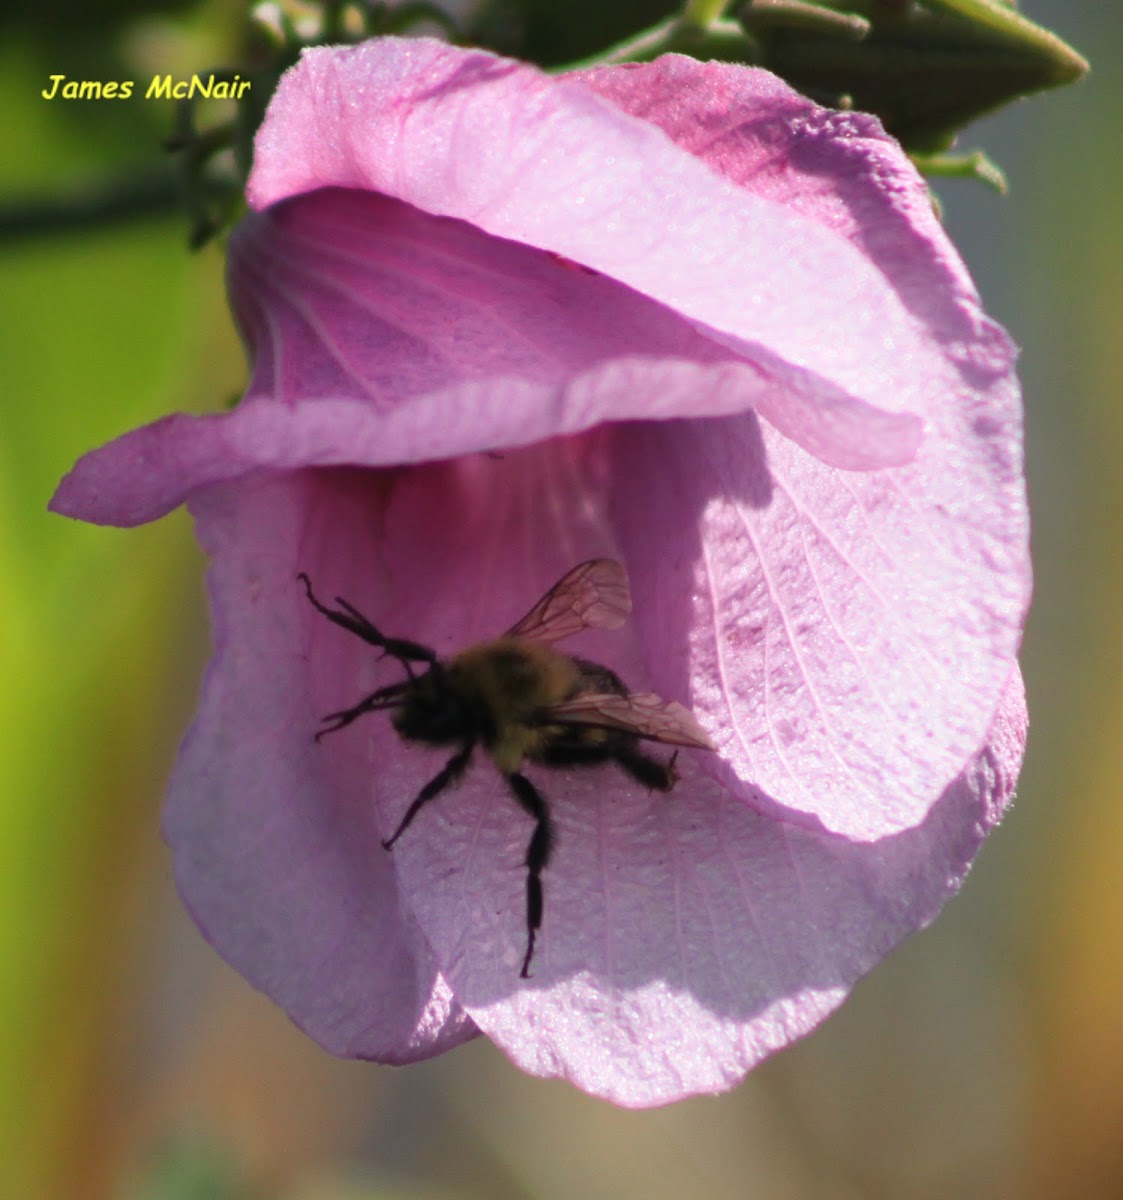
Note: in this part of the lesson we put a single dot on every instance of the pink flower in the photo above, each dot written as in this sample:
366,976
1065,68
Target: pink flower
672,314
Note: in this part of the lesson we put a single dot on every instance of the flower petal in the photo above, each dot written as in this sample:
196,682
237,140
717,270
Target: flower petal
688,938
685,936
418,338
842,636
840,610
547,162
841,171
275,845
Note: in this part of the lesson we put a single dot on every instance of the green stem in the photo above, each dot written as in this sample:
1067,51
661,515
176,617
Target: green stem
723,39
95,205
974,164
703,13
640,47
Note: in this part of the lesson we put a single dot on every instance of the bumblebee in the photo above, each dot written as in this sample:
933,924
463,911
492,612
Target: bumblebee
520,699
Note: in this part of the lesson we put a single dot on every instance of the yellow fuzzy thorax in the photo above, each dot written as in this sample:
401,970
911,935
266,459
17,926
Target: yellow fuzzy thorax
513,678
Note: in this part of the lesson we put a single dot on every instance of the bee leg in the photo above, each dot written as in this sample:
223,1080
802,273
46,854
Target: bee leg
537,856
385,697
348,617
660,777
451,772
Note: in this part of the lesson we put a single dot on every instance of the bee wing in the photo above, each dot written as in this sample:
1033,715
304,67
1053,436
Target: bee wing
594,595
642,713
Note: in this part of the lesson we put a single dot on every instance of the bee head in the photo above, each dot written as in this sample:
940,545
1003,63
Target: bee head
433,710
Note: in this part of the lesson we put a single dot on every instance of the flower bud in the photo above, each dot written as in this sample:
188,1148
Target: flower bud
925,67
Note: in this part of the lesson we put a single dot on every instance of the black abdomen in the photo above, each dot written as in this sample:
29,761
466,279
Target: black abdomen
593,677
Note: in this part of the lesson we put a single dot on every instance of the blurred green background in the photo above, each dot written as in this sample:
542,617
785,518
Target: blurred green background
984,1059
